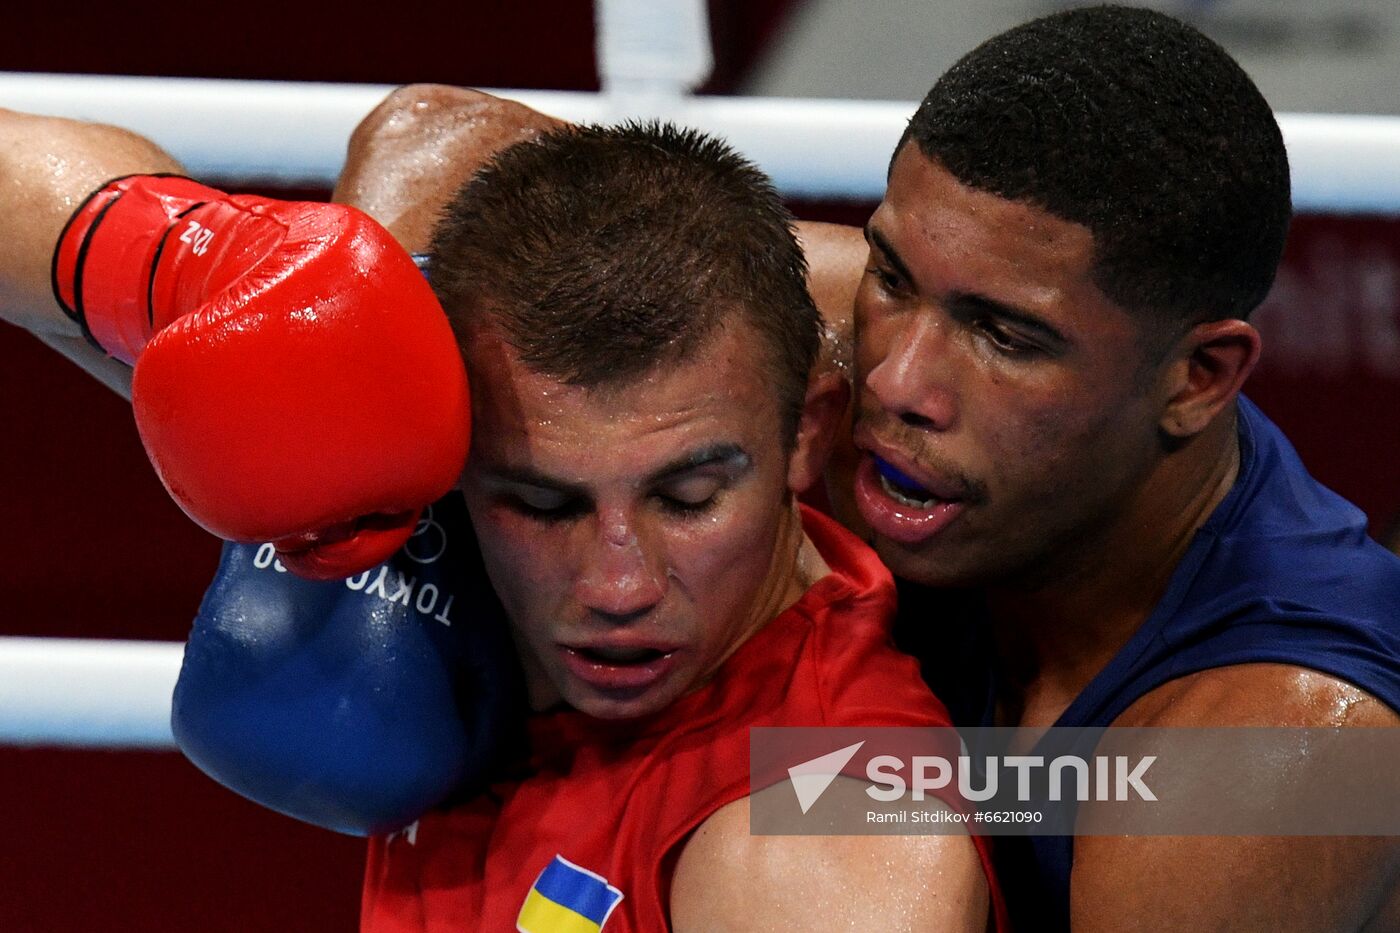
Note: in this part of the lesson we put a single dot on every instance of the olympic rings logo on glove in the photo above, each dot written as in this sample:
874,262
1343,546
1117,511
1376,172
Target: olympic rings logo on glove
428,541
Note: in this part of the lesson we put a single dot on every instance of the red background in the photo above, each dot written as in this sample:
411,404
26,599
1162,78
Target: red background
119,841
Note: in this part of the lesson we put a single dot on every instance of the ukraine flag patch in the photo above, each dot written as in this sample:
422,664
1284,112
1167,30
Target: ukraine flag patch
567,899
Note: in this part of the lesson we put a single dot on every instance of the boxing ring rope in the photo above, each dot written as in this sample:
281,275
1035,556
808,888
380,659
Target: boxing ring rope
116,694
87,693
833,149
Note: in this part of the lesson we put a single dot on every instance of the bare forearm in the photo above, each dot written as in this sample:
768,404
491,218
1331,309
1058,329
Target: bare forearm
47,167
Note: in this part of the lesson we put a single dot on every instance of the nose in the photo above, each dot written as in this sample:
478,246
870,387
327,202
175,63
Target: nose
914,381
622,578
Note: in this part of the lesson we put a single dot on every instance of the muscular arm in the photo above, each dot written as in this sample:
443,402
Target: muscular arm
421,144
729,880
47,167
1302,883
405,160
412,153
424,141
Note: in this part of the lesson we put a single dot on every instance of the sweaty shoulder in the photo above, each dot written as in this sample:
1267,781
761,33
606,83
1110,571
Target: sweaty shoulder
1281,577
1319,883
1258,695
727,879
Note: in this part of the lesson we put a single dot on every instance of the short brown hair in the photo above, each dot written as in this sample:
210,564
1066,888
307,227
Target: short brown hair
604,252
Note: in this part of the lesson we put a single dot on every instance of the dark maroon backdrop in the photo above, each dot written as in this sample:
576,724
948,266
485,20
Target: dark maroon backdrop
141,841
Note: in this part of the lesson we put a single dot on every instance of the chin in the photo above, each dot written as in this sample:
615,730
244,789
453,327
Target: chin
618,707
929,567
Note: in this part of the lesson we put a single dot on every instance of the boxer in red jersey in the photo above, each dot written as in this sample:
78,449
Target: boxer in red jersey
643,417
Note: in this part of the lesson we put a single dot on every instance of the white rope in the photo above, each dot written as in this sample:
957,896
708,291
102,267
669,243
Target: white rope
87,693
295,133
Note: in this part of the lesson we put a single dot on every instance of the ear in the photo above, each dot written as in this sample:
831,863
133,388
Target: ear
823,415
1212,362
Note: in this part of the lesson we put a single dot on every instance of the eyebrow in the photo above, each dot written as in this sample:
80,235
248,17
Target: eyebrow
725,454
877,239
972,302
729,455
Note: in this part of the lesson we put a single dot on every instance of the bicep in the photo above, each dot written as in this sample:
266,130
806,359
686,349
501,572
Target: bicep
727,879
1304,883
1242,882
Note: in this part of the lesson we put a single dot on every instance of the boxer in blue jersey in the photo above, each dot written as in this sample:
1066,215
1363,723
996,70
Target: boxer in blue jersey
1094,527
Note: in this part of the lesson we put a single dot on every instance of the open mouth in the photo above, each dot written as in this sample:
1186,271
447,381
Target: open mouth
902,489
614,669
903,510
620,656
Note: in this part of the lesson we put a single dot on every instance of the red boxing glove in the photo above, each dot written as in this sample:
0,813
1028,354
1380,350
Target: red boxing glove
296,380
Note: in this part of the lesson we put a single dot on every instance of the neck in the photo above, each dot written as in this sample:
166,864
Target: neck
1057,632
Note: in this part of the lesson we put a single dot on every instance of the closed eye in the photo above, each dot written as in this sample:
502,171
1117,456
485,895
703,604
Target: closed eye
1009,331
888,282
544,505
1004,341
690,495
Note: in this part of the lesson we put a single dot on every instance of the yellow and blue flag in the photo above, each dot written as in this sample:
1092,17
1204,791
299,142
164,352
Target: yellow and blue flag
567,899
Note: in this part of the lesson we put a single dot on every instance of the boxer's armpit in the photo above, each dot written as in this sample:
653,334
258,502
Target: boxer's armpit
836,258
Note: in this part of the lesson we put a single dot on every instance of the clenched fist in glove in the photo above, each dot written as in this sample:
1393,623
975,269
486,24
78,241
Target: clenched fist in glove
295,379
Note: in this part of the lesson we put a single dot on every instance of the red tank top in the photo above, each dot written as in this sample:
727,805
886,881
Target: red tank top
616,800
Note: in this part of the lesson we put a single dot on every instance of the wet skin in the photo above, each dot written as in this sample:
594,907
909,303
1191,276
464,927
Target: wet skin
1000,391
636,535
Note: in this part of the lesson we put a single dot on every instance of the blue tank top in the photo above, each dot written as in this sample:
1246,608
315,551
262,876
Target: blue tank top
1281,572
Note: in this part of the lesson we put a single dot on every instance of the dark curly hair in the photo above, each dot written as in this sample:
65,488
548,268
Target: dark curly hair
1141,129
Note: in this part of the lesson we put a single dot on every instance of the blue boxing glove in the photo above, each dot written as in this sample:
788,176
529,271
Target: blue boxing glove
356,705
